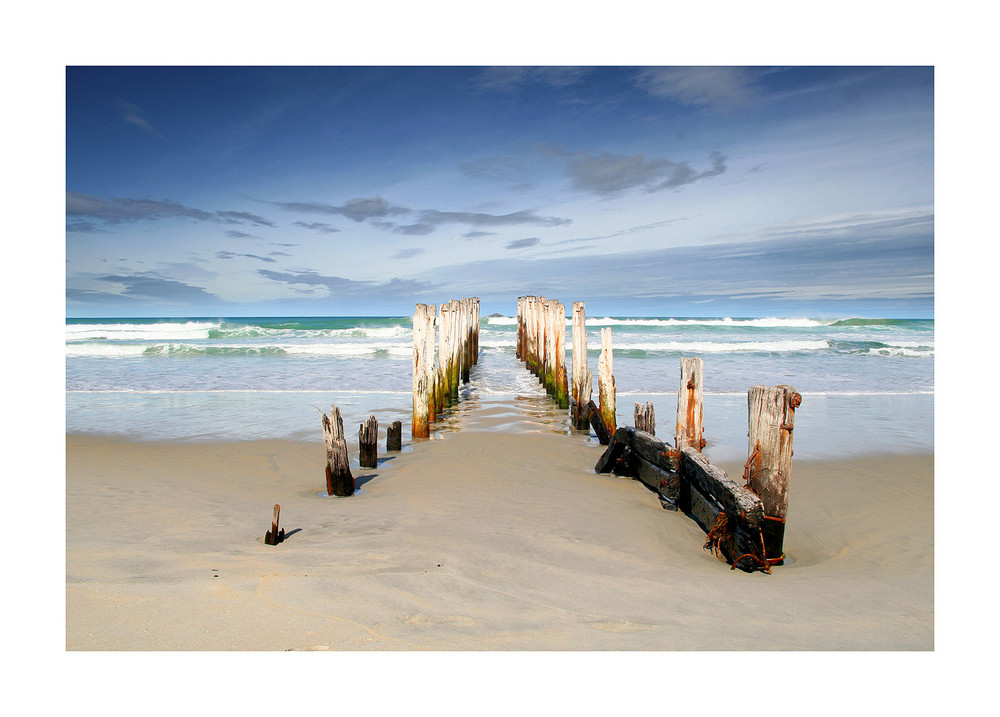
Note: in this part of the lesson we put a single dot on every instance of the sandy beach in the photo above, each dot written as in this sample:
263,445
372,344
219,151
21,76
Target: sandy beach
494,536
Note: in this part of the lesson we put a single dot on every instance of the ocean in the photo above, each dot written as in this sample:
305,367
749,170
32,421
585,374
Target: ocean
867,384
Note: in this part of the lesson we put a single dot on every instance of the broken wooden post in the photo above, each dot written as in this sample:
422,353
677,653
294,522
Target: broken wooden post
339,480
600,427
394,436
769,466
606,381
689,405
273,536
368,443
644,418
423,363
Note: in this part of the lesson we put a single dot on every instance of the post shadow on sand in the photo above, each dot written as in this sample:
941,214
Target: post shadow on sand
283,536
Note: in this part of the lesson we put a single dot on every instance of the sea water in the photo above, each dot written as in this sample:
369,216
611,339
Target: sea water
867,384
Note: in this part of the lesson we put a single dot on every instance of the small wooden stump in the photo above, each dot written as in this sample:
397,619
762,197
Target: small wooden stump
339,480
368,443
689,406
274,536
644,418
394,436
769,466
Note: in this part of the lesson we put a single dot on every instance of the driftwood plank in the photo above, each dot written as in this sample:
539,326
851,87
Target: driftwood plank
657,452
617,445
737,501
666,483
600,428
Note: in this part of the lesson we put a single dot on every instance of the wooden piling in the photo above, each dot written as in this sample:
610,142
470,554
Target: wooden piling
579,361
274,536
339,480
394,436
644,418
560,388
689,430
423,364
606,381
368,443
771,412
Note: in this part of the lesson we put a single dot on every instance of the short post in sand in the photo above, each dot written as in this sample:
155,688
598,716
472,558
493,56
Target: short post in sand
394,436
644,418
339,480
606,381
423,366
769,466
273,536
689,431
368,443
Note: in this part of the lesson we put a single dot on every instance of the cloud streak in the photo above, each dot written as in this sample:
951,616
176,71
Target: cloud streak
342,288
377,210
610,175
88,212
720,88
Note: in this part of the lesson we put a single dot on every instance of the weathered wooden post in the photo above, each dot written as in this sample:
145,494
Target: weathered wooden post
519,351
274,536
644,418
465,309
689,405
454,344
769,466
551,307
368,443
422,375
444,356
584,401
582,378
561,387
394,436
600,429
339,480
606,381
475,330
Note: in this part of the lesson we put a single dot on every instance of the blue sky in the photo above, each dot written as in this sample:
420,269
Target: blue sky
683,191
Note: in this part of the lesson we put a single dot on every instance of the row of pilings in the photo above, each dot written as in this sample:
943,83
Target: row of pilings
541,345
455,326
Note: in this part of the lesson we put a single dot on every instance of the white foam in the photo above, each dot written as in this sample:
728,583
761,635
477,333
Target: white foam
140,332
724,347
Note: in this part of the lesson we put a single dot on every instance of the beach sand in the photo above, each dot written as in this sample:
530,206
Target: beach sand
495,536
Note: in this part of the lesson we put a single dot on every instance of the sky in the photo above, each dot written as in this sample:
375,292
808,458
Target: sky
354,190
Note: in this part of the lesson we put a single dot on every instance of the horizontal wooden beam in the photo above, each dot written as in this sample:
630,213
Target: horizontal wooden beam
738,502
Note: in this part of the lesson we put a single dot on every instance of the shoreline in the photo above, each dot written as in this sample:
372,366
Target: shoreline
480,539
